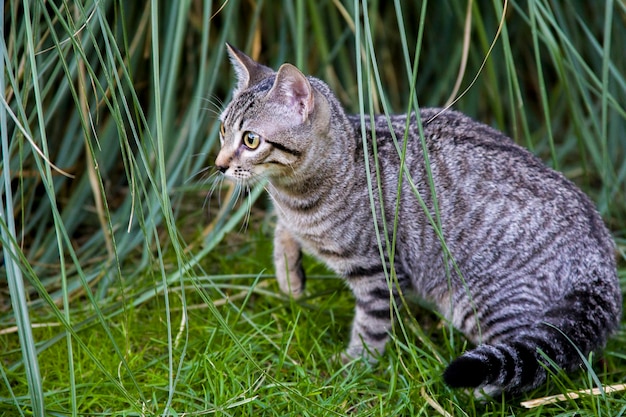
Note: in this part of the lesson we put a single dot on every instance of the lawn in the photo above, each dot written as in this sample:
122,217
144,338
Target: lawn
137,284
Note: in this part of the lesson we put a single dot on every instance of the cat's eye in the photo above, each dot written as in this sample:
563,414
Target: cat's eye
251,140
222,130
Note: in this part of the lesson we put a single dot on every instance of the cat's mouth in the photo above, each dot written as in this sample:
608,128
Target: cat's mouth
236,173
242,175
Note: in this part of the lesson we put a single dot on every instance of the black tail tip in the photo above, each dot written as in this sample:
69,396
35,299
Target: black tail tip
466,372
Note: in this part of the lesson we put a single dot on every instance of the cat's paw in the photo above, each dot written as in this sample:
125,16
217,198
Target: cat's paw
348,361
292,283
359,354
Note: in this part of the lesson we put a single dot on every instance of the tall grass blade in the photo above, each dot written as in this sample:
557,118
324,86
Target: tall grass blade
10,248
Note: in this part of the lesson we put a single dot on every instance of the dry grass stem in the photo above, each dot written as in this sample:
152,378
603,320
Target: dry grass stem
571,395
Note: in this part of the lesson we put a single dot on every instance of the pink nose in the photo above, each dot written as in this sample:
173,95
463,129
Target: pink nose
222,162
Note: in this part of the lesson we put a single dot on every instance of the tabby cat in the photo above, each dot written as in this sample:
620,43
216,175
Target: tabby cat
528,266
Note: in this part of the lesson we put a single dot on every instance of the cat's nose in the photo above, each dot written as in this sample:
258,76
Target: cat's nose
222,162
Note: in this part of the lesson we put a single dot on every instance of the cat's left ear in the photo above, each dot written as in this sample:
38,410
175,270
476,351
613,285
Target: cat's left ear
249,72
292,88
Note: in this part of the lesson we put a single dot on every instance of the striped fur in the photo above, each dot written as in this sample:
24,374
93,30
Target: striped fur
532,271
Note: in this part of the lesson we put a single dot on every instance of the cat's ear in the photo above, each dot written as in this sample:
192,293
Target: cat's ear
292,88
249,72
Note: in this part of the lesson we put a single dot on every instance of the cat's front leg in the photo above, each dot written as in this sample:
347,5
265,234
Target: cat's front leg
373,318
288,262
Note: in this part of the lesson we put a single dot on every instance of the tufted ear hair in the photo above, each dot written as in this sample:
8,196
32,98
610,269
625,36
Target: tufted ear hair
248,71
292,88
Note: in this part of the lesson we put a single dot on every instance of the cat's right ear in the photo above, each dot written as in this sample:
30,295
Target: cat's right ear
292,88
249,72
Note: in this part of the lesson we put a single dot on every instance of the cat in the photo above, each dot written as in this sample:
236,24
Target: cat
527,269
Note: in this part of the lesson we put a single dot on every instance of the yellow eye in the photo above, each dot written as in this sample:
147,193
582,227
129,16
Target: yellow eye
251,140
222,130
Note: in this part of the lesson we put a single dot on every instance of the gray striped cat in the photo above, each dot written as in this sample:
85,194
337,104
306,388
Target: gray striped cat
530,270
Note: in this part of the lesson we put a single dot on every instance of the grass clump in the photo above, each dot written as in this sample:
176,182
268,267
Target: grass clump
130,292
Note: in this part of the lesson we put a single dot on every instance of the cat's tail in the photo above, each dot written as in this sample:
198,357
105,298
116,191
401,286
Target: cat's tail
570,329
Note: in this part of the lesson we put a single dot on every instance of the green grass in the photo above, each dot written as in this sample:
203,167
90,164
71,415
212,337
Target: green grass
131,293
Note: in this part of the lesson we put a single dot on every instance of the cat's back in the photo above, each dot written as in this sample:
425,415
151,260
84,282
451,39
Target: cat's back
490,193
493,193
484,167
463,155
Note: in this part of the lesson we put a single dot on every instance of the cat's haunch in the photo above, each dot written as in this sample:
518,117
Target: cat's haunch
527,268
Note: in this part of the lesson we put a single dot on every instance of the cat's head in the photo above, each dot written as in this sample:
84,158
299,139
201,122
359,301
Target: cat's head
273,124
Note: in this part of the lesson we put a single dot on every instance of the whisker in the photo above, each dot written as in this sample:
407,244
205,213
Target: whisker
217,105
213,100
249,208
246,217
217,183
201,171
237,192
275,203
217,113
